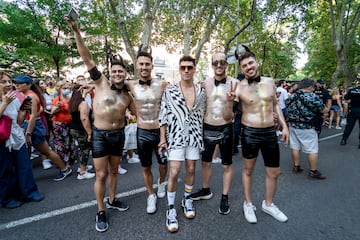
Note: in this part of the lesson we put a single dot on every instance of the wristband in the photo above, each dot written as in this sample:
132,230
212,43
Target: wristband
28,134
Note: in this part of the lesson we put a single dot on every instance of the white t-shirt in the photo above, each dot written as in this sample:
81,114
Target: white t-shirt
17,137
282,95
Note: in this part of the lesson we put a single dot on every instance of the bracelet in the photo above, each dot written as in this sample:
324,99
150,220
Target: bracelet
160,144
28,134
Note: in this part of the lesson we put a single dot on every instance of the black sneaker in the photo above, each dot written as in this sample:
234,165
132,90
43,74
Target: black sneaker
116,204
316,175
297,169
101,224
63,174
224,206
343,142
202,194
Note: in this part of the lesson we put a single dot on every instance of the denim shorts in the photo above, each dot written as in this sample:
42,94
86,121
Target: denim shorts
107,142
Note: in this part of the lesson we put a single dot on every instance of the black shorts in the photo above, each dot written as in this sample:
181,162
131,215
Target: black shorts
147,143
107,142
265,139
222,135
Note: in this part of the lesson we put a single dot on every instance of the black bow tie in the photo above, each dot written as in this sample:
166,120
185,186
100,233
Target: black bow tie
255,79
148,82
113,87
218,82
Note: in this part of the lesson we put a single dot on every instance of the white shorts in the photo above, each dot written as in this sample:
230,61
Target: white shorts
305,139
130,136
189,153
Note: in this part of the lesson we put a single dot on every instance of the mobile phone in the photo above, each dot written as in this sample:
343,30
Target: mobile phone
73,15
163,155
25,102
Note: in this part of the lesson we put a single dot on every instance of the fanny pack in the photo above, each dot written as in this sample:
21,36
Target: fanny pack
214,137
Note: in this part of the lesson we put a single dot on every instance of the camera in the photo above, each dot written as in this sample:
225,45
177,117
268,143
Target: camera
73,15
163,155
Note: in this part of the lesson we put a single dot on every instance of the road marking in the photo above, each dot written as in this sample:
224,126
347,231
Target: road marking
61,211
329,137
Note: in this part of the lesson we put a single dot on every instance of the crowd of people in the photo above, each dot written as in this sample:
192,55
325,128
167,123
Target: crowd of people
185,122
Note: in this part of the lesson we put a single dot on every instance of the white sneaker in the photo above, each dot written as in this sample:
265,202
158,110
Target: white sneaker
171,221
161,189
134,160
122,170
337,127
85,175
274,211
151,204
33,156
88,168
249,212
46,163
216,160
189,209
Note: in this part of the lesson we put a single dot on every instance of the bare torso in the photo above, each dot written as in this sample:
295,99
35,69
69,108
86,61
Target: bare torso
219,111
147,100
257,102
109,106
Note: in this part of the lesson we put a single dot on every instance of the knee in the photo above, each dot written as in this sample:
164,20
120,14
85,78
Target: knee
228,168
100,175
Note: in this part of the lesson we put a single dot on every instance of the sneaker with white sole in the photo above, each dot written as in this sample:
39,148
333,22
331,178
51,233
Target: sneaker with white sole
122,170
85,175
274,211
216,160
161,189
46,163
189,209
171,221
101,225
88,168
63,174
151,204
133,160
117,204
249,212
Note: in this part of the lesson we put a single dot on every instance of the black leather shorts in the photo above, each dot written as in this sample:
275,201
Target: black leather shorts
107,142
264,139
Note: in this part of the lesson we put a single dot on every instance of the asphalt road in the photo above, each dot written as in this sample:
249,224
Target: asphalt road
317,209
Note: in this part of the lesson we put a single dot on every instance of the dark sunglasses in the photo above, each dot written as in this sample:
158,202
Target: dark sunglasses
221,62
189,68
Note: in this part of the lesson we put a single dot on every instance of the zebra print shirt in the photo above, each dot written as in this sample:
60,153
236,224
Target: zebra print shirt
184,126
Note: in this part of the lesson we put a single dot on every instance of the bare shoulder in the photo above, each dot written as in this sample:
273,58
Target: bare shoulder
268,80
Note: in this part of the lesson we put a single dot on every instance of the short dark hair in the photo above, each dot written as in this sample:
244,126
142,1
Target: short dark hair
280,82
118,62
246,54
187,58
306,82
144,54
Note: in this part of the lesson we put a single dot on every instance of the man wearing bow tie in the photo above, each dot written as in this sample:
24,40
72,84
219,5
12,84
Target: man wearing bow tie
109,105
147,94
258,101
218,129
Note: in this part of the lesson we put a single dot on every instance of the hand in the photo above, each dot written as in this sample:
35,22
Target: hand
285,136
28,140
73,25
8,97
162,146
231,93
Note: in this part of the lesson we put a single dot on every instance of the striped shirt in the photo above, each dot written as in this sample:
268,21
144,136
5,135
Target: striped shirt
184,126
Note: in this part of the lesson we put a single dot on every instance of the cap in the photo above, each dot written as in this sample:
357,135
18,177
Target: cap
23,79
321,81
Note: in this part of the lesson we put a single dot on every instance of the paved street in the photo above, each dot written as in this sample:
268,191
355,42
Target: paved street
317,209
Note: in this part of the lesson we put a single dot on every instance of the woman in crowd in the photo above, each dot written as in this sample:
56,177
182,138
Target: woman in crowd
336,107
61,122
80,130
17,183
35,132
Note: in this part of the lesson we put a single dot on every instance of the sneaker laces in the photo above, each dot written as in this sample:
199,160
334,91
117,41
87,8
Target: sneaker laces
189,205
151,200
171,215
250,208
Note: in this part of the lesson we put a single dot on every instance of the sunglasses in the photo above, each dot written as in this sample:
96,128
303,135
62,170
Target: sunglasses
221,62
189,68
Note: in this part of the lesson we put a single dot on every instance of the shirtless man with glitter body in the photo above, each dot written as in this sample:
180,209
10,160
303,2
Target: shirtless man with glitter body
218,120
257,98
147,94
109,105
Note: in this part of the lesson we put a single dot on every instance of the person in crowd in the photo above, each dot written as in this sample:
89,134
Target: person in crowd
50,86
109,105
130,138
61,122
17,183
293,88
257,97
147,94
282,95
324,95
181,119
218,129
354,112
303,106
336,107
80,130
35,131
45,117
